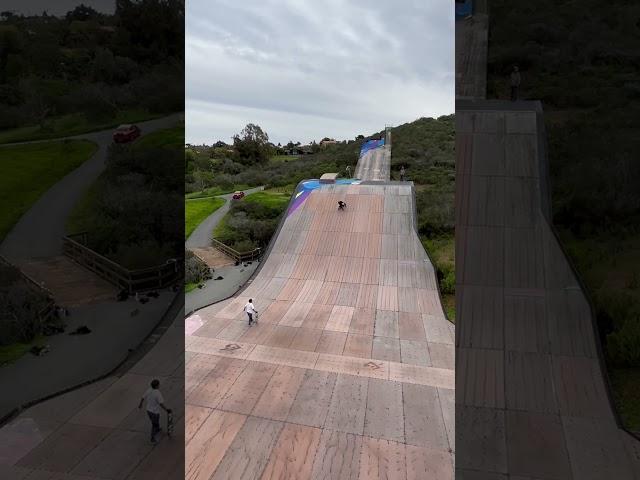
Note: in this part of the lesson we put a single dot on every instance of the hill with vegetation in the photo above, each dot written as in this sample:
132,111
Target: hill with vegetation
582,60
89,71
424,147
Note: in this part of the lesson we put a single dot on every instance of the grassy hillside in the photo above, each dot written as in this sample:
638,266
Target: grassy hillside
196,210
426,150
30,170
582,61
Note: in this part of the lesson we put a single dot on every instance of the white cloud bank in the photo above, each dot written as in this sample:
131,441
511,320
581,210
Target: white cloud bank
303,70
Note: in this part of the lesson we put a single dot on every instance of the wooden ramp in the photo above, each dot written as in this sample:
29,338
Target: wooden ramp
349,372
531,398
70,283
375,165
472,36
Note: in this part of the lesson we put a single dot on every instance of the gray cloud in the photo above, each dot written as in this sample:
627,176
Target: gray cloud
304,70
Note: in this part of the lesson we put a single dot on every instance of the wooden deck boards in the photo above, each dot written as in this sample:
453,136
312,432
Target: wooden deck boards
531,397
339,364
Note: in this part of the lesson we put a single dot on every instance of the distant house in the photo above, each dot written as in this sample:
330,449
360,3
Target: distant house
220,144
327,141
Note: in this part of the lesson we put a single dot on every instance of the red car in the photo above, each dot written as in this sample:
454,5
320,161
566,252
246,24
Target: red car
238,195
126,133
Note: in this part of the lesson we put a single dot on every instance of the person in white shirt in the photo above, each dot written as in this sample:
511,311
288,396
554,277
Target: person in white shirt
250,310
155,402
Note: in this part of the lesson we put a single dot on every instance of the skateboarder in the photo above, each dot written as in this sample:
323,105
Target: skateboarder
515,83
250,310
341,205
155,402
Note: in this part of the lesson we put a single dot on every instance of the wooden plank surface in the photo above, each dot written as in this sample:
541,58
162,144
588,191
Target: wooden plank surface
385,415
205,450
250,450
338,456
293,455
312,401
279,394
348,405
347,306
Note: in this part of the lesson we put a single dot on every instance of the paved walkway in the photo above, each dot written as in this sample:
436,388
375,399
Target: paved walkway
349,372
532,400
97,432
233,279
201,236
39,232
116,326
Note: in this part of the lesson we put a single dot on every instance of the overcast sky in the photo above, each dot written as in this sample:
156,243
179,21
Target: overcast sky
304,69
54,7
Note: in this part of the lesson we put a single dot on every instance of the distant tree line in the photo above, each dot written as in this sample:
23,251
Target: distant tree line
91,63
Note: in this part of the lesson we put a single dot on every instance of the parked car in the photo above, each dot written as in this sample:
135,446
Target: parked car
237,195
126,133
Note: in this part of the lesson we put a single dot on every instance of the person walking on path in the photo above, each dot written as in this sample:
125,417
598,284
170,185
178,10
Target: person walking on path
402,173
155,402
250,310
515,83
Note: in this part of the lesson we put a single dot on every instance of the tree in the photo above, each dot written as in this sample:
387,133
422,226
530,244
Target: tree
251,145
10,44
81,12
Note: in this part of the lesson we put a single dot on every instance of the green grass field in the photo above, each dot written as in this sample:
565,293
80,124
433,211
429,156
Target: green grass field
196,210
167,138
11,353
73,124
30,170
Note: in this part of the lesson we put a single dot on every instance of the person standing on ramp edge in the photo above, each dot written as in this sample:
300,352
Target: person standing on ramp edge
155,402
250,310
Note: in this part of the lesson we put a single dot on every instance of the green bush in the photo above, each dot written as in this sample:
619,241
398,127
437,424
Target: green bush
623,345
19,308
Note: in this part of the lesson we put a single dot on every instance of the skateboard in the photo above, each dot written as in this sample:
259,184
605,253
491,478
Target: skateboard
169,424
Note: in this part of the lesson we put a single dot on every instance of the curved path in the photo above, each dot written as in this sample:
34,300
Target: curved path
201,236
532,399
97,432
39,232
349,372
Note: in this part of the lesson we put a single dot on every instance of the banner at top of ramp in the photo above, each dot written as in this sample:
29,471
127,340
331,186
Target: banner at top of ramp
370,145
464,8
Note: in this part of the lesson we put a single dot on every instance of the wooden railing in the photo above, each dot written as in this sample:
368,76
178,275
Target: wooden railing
238,256
48,310
133,281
